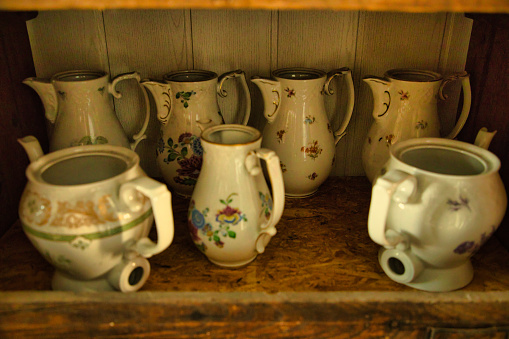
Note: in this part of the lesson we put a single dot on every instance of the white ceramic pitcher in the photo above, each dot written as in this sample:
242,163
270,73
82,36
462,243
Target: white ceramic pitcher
232,214
405,107
79,105
434,206
186,103
88,210
298,129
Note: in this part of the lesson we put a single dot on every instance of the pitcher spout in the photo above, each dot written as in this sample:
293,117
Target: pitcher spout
48,95
381,96
270,90
484,138
32,147
161,92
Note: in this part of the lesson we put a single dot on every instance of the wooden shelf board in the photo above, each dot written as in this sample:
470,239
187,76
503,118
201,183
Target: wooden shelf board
487,6
322,245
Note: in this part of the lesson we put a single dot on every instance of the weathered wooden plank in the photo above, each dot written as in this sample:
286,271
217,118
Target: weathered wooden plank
488,6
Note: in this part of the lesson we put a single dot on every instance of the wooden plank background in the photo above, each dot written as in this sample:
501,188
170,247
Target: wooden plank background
154,42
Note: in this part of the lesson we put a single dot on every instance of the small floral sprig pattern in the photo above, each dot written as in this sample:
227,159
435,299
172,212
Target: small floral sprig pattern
289,92
184,97
472,246
187,151
266,204
313,150
421,124
313,176
404,95
309,119
279,135
456,205
226,218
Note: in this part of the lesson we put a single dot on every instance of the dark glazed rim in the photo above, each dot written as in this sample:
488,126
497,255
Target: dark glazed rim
201,75
73,76
406,74
302,72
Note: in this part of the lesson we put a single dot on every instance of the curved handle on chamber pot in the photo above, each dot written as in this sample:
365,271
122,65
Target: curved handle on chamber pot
160,199
268,230
394,185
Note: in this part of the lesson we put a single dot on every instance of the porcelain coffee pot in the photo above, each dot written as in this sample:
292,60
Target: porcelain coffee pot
187,102
298,129
405,107
436,203
232,213
88,210
79,106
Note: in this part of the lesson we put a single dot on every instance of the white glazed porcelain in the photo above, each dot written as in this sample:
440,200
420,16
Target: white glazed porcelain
232,214
79,105
88,210
186,104
298,129
405,107
435,205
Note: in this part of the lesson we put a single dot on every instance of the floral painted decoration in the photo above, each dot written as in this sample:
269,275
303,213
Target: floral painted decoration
266,204
313,150
187,151
312,176
456,205
421,124
472,246
280,134
309,119
184,97
290,92
225,219
404,95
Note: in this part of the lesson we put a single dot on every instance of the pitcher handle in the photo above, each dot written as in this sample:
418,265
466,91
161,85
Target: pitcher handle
394,185
160,199
347,73
126,76
223,94
467,100
268,230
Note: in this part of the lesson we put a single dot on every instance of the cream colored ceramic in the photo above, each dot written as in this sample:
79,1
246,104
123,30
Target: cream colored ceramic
88,210
405,107
436,204
78,103
298,129
232,214
186,103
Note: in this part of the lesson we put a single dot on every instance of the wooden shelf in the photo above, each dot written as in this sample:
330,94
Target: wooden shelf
319,277
486,6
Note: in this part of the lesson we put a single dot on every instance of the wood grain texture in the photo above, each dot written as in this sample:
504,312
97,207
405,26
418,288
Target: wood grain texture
322,245
151,43
488,6
155,42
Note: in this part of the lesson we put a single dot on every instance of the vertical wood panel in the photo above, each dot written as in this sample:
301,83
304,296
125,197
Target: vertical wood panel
324,40
152,43
225,40
65,40
386,41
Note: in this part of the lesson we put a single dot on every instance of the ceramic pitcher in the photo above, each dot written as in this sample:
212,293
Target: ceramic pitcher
186,103
405,107
436,203
232,214
88,210
298,129
79,105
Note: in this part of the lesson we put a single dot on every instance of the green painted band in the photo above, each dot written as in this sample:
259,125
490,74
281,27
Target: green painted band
90,236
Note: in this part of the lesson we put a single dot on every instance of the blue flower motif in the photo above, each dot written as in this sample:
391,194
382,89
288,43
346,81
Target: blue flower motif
198,219
196,147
